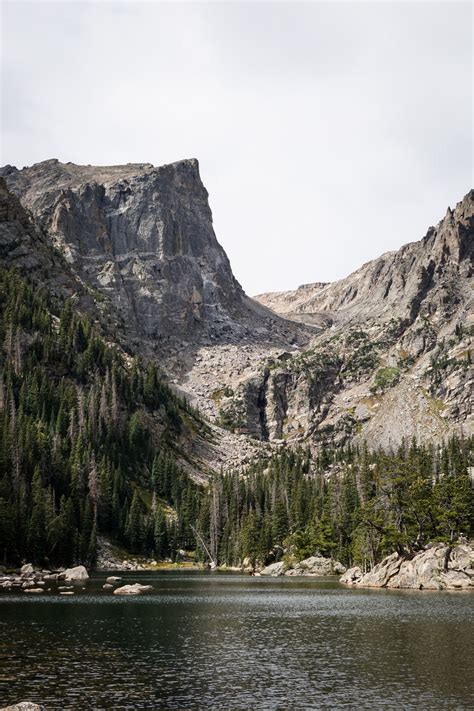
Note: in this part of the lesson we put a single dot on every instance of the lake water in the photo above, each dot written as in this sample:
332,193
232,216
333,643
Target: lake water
224,641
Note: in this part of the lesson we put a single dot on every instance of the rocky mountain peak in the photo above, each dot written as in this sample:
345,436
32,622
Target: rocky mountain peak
142,236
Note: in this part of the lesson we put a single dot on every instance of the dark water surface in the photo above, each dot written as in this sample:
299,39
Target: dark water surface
223,641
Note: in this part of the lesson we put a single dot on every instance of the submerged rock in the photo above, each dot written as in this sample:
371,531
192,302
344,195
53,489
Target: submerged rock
437,567
135,589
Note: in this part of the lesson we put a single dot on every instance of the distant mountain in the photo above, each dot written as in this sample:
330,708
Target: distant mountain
398,350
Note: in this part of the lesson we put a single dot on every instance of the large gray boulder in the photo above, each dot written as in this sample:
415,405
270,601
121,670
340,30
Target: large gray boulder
317,566
77,573
275,569
438,567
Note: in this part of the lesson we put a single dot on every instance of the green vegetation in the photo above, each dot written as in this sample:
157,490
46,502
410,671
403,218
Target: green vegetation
385,378
352,504
86,441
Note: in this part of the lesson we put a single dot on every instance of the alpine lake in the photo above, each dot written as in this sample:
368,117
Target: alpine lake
219,640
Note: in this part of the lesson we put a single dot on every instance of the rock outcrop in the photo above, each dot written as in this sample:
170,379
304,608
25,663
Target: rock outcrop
438,567
24,706
315,566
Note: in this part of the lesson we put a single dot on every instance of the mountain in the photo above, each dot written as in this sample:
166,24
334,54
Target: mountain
379,356
432,277
116,300
142,237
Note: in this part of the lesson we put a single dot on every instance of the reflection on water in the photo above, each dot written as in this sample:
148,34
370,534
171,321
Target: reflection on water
234,642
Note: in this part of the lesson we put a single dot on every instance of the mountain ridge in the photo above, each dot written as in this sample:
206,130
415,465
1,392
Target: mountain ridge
327,362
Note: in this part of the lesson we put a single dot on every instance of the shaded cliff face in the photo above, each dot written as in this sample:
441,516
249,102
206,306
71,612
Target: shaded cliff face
143,237
26,248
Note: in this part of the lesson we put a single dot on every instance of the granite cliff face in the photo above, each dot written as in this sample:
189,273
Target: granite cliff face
378,356
142,237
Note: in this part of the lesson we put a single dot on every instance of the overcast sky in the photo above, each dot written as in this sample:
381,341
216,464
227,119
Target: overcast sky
327,133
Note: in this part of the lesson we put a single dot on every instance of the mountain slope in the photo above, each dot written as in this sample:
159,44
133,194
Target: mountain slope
396,360
392,338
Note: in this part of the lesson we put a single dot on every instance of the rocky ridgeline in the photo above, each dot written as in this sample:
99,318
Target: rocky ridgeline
396,362
315,566
438,567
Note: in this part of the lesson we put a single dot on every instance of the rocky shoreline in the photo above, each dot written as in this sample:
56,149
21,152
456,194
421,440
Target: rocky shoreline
32,580
437,567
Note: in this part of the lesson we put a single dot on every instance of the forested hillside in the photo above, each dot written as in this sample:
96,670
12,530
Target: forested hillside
88,436
89,445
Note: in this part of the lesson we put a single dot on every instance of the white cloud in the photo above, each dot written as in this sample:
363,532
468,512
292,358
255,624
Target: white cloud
327,133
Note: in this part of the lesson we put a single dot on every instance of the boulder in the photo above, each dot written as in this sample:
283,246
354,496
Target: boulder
315,565
77,573
352,576
135,589
437,567
113,579
27,569
274,569
33,590
107,586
